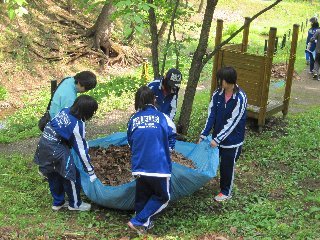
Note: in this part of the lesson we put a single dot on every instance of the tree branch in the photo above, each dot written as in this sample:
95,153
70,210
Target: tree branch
217,48
169,34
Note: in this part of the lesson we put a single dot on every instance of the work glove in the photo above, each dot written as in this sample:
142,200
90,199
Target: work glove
93,177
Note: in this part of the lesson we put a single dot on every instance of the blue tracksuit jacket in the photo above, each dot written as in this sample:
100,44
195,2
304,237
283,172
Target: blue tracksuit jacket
311,33
166,104
151,135
227,119
53,153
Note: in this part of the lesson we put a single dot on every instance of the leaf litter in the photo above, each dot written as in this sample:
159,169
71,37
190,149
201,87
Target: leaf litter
112,165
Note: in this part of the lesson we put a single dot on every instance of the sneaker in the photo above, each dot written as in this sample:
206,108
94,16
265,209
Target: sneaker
315,75
221,197
83,207
138,229
151,225
57,208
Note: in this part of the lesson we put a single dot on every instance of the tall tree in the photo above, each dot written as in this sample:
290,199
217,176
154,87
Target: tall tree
101,29
196,68
154,40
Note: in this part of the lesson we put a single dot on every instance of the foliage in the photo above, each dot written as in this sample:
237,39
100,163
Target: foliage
268,203
16,8
3,93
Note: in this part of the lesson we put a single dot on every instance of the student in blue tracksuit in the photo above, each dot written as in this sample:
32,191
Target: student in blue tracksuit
151,136
166,90
227,118
53,154
67,91
311,46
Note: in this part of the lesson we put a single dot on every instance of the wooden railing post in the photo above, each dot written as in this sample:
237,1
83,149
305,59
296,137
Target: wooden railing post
290,70
266,82
218,40
245,36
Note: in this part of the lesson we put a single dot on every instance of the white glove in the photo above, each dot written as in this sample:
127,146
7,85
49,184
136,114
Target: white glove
93,177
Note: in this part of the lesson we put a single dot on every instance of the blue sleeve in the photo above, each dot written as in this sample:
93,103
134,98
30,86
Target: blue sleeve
80,145
315,36
129,127
212,109
172,132
233,121
173,106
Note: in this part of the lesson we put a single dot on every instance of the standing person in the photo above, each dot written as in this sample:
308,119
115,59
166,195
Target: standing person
151,136
67,91
316,38
166,90
311,46
53,154
227,118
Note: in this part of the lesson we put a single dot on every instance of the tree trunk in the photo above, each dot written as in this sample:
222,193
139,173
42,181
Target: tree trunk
69,6
154,41
200,6
169,35
100,31
162,30
196,68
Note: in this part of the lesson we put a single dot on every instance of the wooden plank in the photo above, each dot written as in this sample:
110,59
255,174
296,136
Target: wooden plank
247,65
233,47
244,57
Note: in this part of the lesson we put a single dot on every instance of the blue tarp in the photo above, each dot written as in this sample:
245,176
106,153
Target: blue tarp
185,181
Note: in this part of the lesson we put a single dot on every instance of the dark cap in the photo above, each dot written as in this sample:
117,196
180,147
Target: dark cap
174,77
313,19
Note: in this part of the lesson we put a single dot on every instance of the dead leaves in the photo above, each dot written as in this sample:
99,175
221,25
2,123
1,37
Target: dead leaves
113,164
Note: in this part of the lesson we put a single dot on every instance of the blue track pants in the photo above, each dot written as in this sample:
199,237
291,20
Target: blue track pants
228,158
152,196
60,185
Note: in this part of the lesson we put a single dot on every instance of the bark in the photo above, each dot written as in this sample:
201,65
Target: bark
100,31
177,50
69,6
195,69
154,40
162,30
200,6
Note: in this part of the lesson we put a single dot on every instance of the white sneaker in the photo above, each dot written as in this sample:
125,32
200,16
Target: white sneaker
83,207
57,208
221,197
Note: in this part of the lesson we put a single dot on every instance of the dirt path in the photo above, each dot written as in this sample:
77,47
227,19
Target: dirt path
305,94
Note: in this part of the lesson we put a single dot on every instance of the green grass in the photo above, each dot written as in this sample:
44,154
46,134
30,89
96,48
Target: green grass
276,194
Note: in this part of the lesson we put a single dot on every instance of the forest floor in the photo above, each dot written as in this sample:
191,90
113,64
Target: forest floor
305,93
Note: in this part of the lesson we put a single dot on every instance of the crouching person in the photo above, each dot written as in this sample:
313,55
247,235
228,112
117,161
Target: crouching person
151,136
53,154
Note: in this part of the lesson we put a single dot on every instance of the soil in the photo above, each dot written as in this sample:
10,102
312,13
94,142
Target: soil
113,164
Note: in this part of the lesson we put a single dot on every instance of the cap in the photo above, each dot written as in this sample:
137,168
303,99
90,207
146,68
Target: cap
313,19
174,77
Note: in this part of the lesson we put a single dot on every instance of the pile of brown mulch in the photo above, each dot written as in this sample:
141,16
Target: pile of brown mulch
112,165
